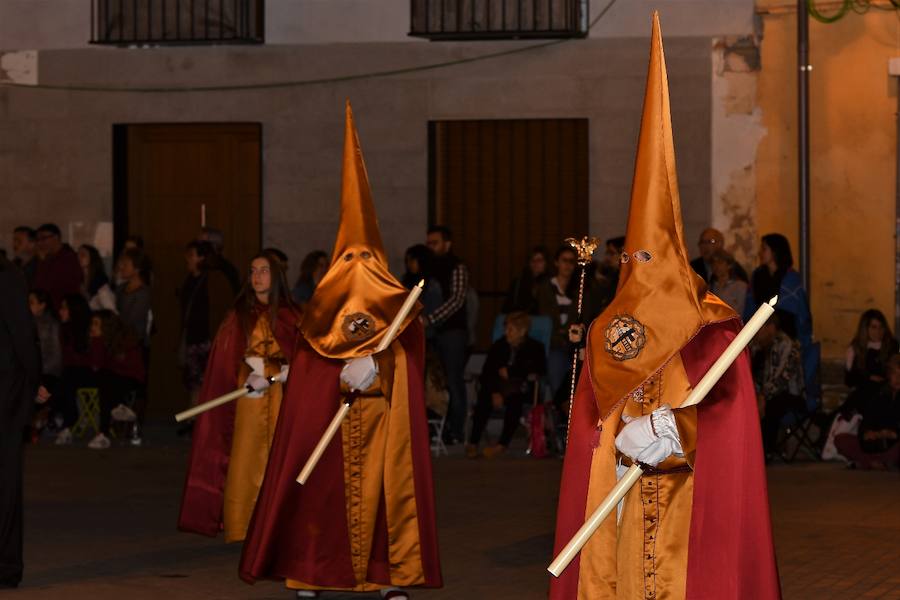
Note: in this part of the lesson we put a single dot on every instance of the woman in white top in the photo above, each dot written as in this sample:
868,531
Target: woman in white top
95,284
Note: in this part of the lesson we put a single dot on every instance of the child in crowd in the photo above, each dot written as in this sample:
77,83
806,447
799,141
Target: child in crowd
778,375
513,366
95,283
116,358
876,446
75,326
39,303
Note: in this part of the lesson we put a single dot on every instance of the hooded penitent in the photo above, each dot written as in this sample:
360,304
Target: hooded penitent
357,299
364,520
697,526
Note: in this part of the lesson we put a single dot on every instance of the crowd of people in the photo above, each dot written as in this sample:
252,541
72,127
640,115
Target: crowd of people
95,333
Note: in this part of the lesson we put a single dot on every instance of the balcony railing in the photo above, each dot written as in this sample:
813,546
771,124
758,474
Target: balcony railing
498,19
127,22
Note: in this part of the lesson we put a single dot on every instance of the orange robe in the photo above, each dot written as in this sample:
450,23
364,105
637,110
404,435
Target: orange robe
230,444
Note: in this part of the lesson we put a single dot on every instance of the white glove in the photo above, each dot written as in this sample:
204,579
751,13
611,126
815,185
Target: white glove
283,374
359,373
257,379
641,443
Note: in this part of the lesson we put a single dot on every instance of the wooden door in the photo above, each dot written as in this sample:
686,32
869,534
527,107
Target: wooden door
167,176
503,187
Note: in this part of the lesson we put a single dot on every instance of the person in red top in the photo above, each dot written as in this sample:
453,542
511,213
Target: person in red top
116,357
58,272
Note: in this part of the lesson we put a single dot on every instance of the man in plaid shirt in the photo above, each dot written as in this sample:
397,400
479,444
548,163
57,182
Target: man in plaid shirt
450,324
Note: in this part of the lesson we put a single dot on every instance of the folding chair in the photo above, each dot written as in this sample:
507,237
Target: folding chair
435,430
88,400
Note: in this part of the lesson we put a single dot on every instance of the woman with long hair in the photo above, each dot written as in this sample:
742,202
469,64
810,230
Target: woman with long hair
776,276
95,283
312,270
865,370
523,291
252,348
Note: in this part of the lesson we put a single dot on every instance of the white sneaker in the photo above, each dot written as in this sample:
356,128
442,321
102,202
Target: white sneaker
100,442
394,594
307,594
64,437
123,413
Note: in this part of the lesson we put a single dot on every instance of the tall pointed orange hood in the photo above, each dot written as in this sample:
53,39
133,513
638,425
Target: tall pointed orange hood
660,303
357,299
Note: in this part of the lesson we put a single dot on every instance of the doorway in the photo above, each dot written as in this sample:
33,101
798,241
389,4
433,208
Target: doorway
504,186
168,180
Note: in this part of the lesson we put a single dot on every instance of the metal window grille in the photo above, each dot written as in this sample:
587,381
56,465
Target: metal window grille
498,19
127,22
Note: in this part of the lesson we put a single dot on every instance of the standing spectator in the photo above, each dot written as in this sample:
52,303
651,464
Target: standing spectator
75,328
279,256
778,374
513,366
558,299
710,241
95,284
776,276
25,251
419,261
20,371
312,270
451,325
218,261
877,445
725,283
58,272
522,294
117,360
606,278
205,299
133,296
867,358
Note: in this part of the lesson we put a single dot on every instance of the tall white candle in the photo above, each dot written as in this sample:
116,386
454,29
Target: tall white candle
634,473
401,316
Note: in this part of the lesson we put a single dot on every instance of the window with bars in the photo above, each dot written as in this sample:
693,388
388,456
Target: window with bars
126,22
498,19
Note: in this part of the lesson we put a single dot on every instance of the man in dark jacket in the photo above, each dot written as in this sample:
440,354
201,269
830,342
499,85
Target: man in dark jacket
20,370
58,273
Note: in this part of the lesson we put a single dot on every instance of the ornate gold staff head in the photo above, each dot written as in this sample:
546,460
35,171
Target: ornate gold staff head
584,248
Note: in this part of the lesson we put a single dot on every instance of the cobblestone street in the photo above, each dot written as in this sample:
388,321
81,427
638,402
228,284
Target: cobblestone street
101,525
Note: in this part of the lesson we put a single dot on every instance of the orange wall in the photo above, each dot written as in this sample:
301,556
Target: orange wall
853,160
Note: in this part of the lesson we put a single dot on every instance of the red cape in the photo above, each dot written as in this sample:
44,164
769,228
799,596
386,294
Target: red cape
300,531
204,486
730,551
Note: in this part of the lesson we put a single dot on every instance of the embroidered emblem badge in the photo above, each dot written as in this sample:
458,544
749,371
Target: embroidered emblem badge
625,337
358,326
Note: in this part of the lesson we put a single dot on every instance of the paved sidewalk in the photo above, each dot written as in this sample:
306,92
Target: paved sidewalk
101,525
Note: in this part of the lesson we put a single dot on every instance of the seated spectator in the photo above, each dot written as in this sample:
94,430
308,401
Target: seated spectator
133,295
51,350
557,299
725,282
866,362
312,270
58,272
778,374
117,360
95,284
25,251
876,446
522,294
710,241
418,267
513,366
75,326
